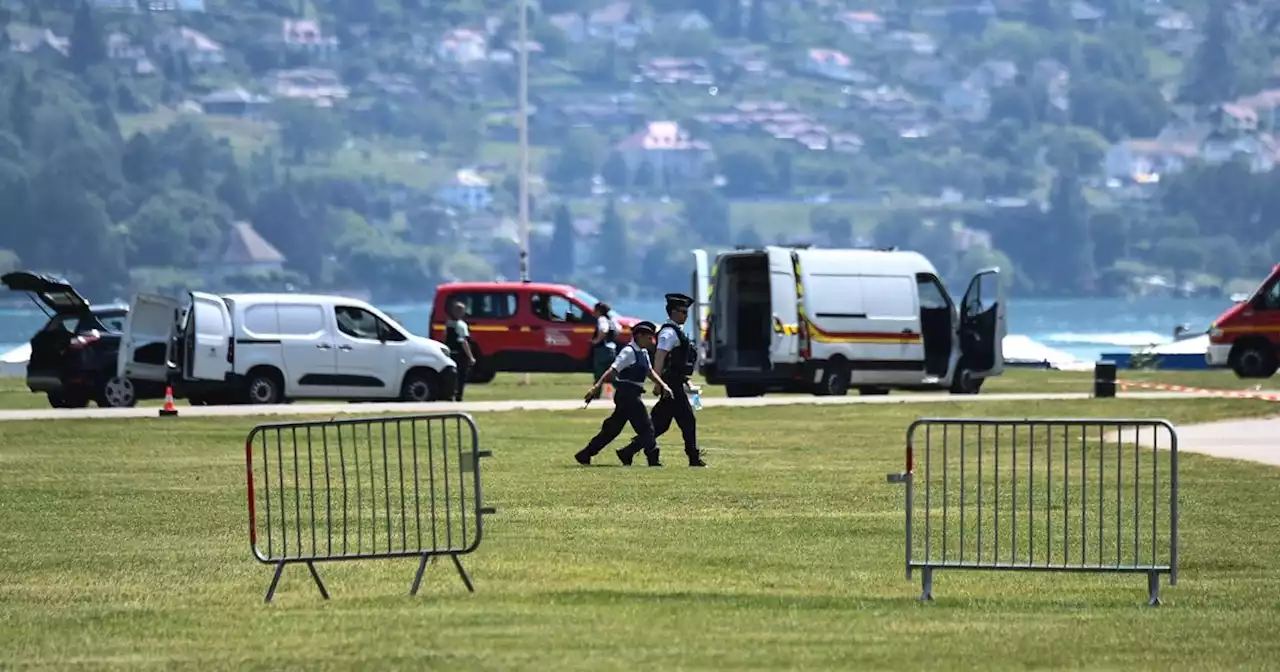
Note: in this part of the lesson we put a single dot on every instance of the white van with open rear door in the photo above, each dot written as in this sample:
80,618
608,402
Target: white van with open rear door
790,319
269,348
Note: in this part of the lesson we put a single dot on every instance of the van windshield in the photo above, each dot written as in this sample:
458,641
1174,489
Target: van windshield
585,297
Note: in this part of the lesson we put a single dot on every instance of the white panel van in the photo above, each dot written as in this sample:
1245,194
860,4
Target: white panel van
827,320
268,348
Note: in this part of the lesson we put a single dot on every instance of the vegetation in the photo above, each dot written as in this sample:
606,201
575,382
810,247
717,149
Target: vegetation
108,175
129,540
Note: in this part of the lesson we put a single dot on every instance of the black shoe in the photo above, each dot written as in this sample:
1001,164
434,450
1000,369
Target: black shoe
695,460
582,457
625,457
653,459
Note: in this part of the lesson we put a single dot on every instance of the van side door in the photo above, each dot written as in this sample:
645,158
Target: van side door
307,347
209,338
784,304
565,328
368,354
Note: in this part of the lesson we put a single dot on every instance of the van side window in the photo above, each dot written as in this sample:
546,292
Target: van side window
1271,297
932,295
360,323
300,320
485,305
261,319
556,308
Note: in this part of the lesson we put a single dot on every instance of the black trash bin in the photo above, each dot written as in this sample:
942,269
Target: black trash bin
1104,380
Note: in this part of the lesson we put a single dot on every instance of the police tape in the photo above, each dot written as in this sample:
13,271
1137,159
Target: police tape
1231,394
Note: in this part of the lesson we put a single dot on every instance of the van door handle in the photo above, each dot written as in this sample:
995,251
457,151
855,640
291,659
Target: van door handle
344,348
908,332
324,346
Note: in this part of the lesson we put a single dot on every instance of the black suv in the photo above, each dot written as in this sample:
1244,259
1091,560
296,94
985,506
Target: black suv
74,355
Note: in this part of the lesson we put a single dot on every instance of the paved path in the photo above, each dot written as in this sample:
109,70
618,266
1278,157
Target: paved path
1253,440
544,405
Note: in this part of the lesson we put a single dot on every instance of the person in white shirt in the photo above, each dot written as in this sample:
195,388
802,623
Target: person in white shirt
604,343
629,371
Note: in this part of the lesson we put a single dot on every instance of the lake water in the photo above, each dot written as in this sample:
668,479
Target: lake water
1082,328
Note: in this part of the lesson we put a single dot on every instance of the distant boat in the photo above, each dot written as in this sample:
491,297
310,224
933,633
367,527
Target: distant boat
13,364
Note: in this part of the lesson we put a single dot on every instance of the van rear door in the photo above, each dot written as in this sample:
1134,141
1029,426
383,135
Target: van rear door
146,346
982,324
701,294
784,303
209,338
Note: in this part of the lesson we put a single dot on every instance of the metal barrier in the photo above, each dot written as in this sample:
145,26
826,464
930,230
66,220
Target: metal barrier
1056,495
365,488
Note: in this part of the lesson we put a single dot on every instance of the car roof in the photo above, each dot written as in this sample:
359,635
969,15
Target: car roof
505,286
292,298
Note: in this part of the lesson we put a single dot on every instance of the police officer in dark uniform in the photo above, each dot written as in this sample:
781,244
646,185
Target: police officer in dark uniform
628,372
676,359
457,337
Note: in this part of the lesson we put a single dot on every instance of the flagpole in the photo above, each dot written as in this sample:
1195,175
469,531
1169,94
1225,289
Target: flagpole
524,148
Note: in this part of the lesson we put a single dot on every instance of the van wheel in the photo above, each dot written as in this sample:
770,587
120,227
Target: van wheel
480,375
59,401
964,381
263,387
419,386
872,391
835,381
737,391
1253,360
117,392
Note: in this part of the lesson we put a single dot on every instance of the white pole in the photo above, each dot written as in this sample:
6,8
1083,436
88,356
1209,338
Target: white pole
524,148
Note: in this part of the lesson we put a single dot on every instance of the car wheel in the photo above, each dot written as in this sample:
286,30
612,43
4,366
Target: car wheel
1253,361
419,386
964,381
740,391
263,388
116,392
59,401
835,380
872,391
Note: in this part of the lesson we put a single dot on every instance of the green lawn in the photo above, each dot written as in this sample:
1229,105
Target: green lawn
126,548
511,386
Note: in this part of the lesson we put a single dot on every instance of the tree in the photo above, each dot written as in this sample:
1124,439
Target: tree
562,258
707,214
612,248
1212,78
306,129
578,158
757,23
615,172
88,44
175,228
1067,251
837,229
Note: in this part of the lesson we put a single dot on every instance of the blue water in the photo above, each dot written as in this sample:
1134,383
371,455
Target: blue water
1082,328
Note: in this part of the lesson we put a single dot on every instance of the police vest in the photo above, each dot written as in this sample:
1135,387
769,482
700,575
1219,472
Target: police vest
610,335
638,372
683,359
451,338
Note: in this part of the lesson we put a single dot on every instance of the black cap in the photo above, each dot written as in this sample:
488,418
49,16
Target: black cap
675,300
644,325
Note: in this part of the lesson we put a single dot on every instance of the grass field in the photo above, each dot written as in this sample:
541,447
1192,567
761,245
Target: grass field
509,386
126,548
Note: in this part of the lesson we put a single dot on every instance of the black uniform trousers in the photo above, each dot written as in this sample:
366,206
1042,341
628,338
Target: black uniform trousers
676,407
464,371
628,407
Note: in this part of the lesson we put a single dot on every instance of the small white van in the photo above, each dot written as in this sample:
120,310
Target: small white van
269,348
825,320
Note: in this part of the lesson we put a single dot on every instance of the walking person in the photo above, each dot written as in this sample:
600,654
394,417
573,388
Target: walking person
675,359
628,372
457,337
604,343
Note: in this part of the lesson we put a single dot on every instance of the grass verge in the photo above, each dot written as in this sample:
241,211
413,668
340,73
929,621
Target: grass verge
127,548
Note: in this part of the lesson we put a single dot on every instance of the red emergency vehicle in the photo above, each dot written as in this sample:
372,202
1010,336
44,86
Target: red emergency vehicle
524,326
1247,336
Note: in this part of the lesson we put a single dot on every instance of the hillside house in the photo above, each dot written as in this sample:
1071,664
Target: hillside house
246,253
462,46
958,18
40,42
467,191
966,101
195,46
1147,160
305,36
1265,105
319,85
900,41
862,24
830,64
618,22
665,150
236,102
684,22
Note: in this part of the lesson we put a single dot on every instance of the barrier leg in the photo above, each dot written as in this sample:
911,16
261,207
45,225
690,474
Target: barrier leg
926,584
1153,589
417,578
275,579
462,572
316,576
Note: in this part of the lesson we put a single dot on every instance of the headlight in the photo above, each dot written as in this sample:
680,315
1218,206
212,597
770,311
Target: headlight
1215,333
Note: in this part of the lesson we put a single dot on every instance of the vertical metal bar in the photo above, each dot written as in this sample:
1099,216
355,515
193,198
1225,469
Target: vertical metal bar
431,474
928,488
1173,506
1137,437
266,486
448,501
284,518
1013,542
417,501
462,479
1066,494
981,484
328,491
1048,495
945,480
995,556
964,503
355,451
1155,486
1031,498
342,465
1119,489
311,486
297,493
404,522
1084,491
1102,485
386,480
373,489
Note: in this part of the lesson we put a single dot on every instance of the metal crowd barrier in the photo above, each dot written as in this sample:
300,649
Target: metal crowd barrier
365,488
1053,495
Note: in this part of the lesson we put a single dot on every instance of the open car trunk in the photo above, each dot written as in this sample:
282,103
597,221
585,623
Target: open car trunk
744,329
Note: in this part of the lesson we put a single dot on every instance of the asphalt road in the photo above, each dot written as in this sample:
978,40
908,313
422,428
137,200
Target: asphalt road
543,405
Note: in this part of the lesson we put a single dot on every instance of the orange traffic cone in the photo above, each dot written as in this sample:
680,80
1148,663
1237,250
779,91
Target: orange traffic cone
608,391
168,409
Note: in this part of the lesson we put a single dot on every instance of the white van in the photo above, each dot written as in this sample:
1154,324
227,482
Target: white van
825,320
268,348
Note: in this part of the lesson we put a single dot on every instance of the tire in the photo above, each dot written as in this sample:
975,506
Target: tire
56,400
420,386
835,380
263,387
964,381
116,392
1253,360
872,391
739,391
481,376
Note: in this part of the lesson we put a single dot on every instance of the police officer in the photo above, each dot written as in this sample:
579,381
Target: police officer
604,342
457,337
629,371
676,359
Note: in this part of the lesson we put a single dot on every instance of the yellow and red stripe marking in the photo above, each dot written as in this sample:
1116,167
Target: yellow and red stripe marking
1232,394
505,329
